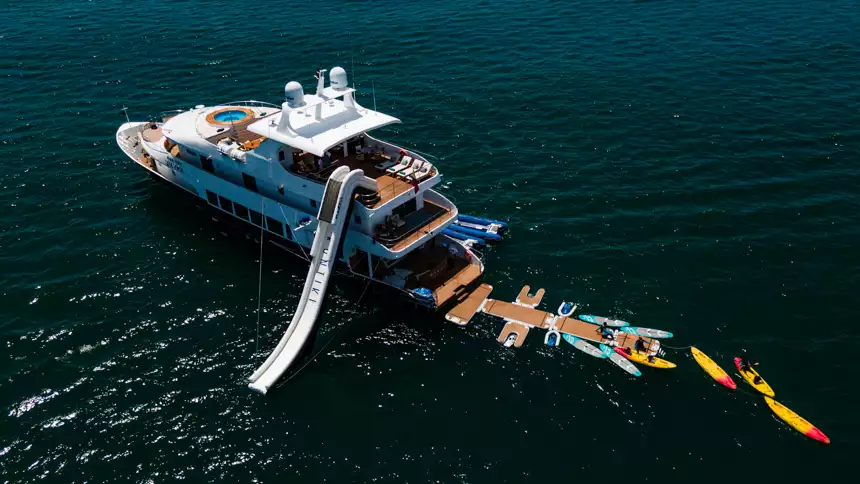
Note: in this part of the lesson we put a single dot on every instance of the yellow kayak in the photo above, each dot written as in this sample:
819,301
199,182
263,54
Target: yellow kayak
642,358
796,421
750,375
713,369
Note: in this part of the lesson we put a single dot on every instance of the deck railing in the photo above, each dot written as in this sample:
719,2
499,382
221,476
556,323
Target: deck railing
394,240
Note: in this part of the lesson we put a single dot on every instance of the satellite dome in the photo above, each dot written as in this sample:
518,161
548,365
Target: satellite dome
337,78
294,94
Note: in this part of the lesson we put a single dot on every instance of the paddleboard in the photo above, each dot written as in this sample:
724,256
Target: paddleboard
620,361
583,346
614,323
713,369
642,358
763,387
796,421
647,332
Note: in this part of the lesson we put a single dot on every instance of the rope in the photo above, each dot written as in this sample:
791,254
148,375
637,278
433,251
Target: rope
676,348
295,237
260,278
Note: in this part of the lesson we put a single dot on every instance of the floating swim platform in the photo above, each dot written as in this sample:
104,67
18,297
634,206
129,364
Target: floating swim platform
470,304
525,298
513,334
523,314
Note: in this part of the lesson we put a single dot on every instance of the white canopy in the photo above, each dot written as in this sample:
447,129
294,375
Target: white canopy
322,122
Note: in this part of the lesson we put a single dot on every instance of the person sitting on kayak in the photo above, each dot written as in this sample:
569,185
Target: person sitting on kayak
640,346
747,365
758,380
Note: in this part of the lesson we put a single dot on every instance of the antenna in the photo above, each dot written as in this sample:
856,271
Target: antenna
373,85
125,111
352,68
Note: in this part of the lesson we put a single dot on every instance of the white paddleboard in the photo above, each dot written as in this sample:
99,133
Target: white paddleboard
619,360
583,346
647,332
614,323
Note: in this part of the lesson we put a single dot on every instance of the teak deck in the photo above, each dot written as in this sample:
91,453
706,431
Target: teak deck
449,289
463,311
521,316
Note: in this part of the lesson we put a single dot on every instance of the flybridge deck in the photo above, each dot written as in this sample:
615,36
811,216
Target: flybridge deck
521,316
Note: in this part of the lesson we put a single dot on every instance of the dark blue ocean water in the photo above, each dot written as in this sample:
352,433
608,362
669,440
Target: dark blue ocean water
687,165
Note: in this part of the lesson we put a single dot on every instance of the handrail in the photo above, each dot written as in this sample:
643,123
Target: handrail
250,102
394,240
152,146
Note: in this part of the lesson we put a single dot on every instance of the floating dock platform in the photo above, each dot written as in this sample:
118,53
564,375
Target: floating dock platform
522,315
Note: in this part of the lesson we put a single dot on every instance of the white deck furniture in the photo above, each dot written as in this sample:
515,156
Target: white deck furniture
412,169
404,163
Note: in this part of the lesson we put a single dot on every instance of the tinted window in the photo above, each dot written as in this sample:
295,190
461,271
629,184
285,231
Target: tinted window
207,164
288,232
256,218
313,203
213,199
274,226
357,219
226,205
250,182
241,211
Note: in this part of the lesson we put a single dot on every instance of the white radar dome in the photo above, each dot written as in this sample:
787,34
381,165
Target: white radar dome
294,94
337,78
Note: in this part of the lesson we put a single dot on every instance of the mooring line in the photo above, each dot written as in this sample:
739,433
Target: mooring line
260,277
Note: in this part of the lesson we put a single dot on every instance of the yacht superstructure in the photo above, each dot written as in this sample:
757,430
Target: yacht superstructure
310,175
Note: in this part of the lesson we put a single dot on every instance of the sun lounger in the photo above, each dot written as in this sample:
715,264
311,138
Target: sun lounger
412,169
424,172
404,163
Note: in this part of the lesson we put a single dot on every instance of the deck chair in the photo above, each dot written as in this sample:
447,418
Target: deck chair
412,169
424,172
404,163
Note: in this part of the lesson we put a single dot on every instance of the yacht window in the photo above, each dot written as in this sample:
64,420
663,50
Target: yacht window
206,162
358,219
313,203
241,211
213,199
281,155
226,205
250,182
256,218
274,226
288,231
